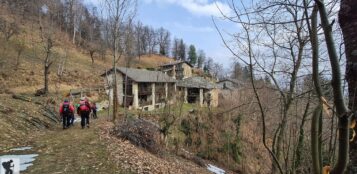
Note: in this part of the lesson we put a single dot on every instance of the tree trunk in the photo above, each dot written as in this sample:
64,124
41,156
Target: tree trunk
46,79
17,61
348,23
74,35
92,56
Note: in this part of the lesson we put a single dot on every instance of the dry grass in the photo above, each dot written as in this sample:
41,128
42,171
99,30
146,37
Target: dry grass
73,151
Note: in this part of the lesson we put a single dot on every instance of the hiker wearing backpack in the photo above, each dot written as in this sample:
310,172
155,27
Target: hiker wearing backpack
94,111
66,111
84,110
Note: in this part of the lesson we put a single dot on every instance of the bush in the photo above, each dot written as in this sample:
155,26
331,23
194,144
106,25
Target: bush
141,133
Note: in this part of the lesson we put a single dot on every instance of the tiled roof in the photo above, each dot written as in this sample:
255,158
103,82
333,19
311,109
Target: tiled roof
143,75
175,63
196,82
238,82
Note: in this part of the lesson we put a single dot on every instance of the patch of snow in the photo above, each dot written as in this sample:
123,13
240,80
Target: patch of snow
215,169
21,148
76,120
25,160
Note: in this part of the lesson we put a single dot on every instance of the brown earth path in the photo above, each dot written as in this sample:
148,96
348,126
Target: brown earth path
93,150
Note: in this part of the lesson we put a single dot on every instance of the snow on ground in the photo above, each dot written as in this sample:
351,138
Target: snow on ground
215,169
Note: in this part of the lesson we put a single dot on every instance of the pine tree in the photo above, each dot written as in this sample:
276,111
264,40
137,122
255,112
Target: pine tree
182,50
201,58
192,56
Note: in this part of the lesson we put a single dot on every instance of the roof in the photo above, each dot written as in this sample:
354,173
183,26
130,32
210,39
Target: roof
237,82
196,82
143,75
176,62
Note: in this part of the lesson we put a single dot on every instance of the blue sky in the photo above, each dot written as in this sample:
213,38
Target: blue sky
190,20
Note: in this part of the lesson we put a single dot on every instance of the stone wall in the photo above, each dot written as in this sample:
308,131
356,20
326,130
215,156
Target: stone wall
187,70
214,97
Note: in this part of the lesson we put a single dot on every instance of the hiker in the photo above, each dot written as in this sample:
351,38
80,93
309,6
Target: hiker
72,119
94,111
7,166
66,111
84,110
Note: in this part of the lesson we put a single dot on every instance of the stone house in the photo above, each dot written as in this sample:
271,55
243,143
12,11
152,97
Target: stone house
178,70
198,90
229,84
143,89
194,89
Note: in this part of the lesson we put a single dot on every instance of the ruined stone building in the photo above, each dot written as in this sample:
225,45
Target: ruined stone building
143,89
147,90
195,89
198,90
229,84
178,70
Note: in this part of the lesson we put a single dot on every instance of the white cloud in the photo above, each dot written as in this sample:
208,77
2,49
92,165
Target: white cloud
198,7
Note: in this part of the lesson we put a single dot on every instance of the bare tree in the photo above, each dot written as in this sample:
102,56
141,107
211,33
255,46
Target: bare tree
8,29
151,36
19,48
139,42
175,49
279,29
273,43
348,24
92,49
46,33
118,12
163,38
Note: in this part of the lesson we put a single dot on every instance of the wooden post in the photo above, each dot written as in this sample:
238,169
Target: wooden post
153,94
136,95
201,97
166,90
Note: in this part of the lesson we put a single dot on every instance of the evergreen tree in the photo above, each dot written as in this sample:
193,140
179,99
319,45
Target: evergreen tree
208,65
246,74
238,71
201,58
192,56
182,50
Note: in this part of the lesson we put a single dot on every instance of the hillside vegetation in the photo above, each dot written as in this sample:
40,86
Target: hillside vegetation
228,136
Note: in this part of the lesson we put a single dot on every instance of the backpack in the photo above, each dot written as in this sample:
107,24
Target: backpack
83,107
65,109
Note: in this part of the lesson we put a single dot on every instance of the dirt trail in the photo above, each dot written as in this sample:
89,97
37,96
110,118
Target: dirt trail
77,151
73,150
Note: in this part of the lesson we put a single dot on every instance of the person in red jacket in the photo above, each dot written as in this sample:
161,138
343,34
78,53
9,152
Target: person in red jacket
84,110
66,110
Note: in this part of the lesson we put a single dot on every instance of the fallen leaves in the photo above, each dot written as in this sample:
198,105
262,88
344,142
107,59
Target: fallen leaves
137,160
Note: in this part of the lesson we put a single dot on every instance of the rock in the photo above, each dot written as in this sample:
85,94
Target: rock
40,92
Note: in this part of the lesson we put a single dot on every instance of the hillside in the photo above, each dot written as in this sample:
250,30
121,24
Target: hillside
226,136
28,76
29,120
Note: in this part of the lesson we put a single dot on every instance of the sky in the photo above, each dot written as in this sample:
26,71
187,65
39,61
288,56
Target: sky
190,20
